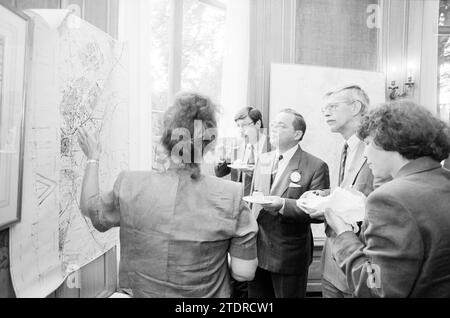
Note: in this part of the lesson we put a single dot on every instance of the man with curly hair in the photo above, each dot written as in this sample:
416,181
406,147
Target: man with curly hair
405,248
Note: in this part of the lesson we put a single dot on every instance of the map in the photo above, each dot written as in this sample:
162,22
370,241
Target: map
79,80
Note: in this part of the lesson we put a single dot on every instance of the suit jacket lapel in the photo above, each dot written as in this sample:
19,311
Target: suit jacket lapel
355,168
283,182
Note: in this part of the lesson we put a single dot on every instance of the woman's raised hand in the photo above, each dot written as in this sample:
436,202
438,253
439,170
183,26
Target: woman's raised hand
89,143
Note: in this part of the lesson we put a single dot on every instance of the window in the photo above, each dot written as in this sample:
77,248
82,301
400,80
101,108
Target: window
202,50
159,60
443,109
187,52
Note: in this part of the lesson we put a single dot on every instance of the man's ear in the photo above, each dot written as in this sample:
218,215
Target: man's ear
356,107
298,135
258,124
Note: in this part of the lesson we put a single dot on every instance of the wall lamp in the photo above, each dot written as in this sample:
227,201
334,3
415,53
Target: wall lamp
408,89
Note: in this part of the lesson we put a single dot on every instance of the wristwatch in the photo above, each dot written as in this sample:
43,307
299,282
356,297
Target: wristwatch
94,161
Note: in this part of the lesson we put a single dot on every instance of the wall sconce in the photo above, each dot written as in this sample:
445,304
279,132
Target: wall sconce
408,89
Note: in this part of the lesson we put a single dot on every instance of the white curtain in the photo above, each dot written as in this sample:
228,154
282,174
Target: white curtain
235,64
135,31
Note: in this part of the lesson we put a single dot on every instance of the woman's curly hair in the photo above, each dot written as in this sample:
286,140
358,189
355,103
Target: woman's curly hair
407,128
180,129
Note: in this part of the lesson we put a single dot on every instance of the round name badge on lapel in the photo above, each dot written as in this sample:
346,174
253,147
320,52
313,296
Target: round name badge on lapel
295,177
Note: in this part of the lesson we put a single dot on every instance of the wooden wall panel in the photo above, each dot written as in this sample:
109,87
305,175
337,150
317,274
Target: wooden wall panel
10,3
336,34
396,44
65,292
272,29
96,12
410,47
96,279
38,4
79,3
6,289
93,280
111,274
426,77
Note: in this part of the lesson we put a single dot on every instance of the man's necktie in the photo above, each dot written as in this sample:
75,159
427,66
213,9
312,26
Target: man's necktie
251,158
342,165
275,170
248,177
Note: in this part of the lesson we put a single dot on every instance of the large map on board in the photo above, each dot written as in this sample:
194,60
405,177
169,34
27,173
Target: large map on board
79,79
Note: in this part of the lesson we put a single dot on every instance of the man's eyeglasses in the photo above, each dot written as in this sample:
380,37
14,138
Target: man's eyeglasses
244,125
332,107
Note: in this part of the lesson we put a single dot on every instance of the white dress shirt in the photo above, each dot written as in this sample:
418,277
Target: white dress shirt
283,163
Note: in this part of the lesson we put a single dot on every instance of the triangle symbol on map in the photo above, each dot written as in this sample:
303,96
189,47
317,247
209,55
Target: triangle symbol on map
44,187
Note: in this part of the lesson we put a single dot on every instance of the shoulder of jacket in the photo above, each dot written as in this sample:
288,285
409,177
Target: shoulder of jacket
313,159
393,190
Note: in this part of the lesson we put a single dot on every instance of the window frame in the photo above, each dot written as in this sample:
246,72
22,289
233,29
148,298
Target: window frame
443,30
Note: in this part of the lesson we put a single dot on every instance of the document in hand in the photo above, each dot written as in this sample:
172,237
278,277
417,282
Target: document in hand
349,204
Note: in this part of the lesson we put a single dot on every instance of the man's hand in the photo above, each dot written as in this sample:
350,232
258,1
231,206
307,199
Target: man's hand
317,215
274,206
313,213
336,223
322,193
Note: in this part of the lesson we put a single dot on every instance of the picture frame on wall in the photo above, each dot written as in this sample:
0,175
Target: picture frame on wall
15,49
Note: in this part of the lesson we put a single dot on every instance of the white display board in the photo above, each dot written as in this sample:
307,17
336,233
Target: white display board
78,79
302,87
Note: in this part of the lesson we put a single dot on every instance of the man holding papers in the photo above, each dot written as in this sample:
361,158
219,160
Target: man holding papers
344,108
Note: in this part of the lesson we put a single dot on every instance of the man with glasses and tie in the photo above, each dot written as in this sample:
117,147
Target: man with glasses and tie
249,122
343,110
253,143
285,242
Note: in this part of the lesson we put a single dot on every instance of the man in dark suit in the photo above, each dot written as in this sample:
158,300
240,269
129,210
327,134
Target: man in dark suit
253,143
285,241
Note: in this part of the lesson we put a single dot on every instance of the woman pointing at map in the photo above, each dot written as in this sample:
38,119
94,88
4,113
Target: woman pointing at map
178,226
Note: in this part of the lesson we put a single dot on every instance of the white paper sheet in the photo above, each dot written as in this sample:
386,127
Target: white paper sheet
349,204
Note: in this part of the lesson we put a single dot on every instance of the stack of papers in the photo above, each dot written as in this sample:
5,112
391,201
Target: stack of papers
349,204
